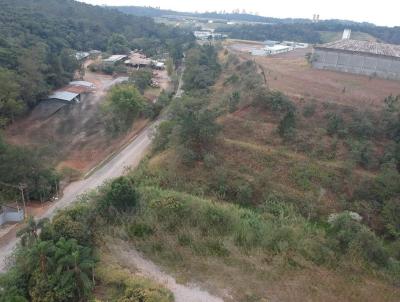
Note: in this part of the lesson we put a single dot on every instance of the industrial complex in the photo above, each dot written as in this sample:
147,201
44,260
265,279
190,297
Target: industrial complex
359,57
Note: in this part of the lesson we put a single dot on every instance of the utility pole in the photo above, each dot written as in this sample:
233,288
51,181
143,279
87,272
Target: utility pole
22,187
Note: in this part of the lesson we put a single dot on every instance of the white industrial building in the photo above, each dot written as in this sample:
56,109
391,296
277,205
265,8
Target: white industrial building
277,49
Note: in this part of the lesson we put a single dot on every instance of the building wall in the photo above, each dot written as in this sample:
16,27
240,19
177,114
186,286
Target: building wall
384,67
11,215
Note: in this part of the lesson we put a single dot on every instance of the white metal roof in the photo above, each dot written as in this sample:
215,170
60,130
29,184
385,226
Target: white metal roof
276,47
63,96
115,58
81,55
82,83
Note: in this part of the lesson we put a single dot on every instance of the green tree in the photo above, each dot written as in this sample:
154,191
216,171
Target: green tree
287,125
29,234
123,105
120,196
197,128
391,216
141,79
10,103
117,44
76,264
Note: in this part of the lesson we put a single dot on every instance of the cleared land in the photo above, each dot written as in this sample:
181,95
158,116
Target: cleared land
75,136
293,75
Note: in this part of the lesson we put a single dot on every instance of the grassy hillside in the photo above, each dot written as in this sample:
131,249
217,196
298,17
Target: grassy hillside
245,206
287,167
251,195
330,36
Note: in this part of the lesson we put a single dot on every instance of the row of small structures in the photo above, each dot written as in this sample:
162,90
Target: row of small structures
75,91
135,60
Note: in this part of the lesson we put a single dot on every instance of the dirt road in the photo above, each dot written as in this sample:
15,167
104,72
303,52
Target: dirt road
129,157
132,259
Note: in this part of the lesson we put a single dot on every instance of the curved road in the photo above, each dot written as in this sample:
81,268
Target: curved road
129,157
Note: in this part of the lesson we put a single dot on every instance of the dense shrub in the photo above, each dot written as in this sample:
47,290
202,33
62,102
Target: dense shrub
335,124
348,235
162,135
124,103
273,100
391,216
202,68
309,109
120,195
141,78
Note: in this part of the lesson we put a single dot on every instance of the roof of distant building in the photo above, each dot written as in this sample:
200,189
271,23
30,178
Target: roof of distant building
63,95
115,58
368,47
277,47
82,83
80,55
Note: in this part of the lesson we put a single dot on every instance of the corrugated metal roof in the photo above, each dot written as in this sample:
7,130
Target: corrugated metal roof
276,47
81,55
115,58
369,47
82,83
64,96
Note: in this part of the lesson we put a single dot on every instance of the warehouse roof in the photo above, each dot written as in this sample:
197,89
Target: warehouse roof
364,47
82,83
80,55
64,96
115,58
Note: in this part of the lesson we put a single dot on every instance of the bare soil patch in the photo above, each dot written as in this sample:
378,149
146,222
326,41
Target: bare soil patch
293,75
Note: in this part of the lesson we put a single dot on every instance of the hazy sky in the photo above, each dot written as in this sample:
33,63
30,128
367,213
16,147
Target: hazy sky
380,12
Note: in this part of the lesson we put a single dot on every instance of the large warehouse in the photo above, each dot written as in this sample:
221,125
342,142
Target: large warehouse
361,57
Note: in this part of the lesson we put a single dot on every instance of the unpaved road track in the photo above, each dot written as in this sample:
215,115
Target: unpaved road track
129,157
130,258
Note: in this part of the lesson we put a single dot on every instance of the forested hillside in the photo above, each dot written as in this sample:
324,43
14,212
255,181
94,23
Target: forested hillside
38,43
308,32
251,194
302,30
38,39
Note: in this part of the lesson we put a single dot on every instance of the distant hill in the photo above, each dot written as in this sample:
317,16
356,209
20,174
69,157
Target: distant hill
244,17
295,29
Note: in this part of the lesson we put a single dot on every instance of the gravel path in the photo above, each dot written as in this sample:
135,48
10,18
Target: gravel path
130,258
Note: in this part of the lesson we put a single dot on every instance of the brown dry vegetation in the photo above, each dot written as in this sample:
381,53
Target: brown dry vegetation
291,74
249,164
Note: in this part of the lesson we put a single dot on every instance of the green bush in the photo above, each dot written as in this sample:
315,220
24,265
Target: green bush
335,124
309,109
287,125
120,195
391,216
140,230
273,100
124,103
141,78
349,236
162,135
